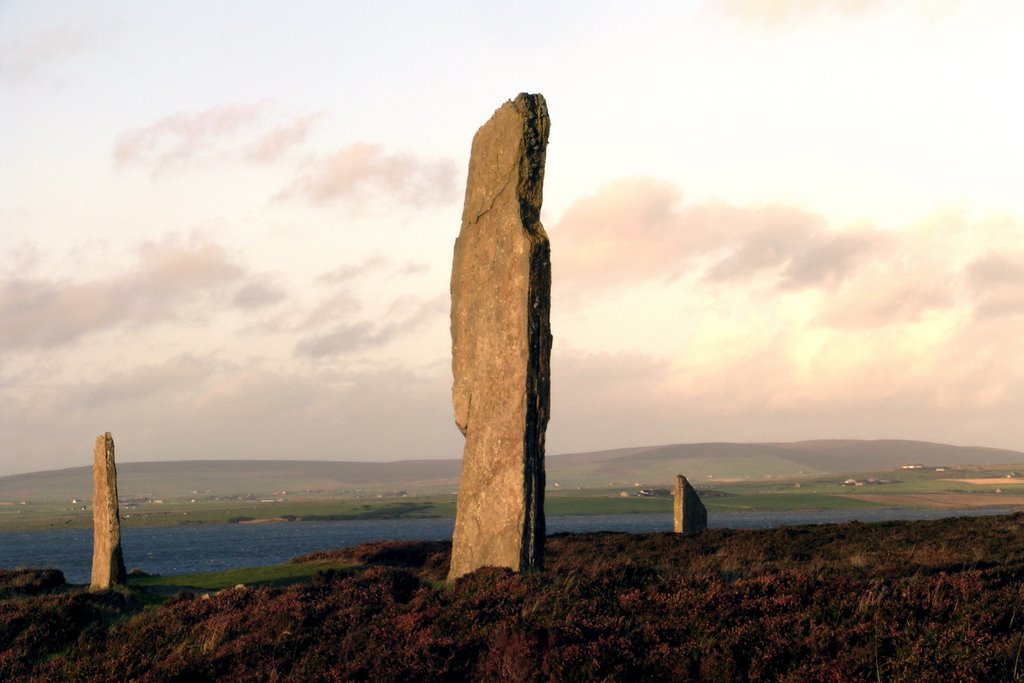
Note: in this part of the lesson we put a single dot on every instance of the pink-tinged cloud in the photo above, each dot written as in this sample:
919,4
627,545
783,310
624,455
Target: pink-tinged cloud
413,268
828,258
345,335
603,400
361,173
763,250
629,231
774,325
880,304
277,142
184,136
167,276
169,377
257,293
23,255
918,273
997,284
641,230
235,132
799,252
194,406
25,60
334,327
964,386
348,272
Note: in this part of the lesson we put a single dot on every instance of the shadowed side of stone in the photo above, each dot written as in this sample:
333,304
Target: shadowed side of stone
690,516
107,559
501,343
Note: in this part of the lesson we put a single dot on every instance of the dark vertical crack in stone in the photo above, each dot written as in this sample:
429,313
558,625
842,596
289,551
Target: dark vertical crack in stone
501,343
107,557
537,126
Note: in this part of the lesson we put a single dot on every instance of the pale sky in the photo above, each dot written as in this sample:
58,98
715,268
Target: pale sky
226,228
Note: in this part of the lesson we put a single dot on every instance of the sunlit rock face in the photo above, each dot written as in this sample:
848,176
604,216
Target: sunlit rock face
690,516
107,559
501,343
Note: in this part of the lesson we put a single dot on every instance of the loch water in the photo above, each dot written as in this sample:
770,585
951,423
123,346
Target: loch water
216,547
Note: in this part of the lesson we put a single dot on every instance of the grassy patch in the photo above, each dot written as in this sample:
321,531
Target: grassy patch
778,502
766,494
176,513
602,504
273,575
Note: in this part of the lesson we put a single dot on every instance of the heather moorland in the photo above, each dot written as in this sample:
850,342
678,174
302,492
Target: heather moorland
896,601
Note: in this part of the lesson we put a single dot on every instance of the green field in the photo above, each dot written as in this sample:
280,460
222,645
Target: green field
273,575
888,488
31,517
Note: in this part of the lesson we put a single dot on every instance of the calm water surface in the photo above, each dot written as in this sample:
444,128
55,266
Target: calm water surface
216,547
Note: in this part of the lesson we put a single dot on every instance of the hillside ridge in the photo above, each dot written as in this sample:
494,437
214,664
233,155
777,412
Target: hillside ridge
655,465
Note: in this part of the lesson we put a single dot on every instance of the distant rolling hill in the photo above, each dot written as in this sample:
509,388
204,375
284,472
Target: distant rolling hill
742,460
185,478
647,465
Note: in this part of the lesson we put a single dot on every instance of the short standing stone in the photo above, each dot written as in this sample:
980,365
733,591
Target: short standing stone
501,343
691,517
107,559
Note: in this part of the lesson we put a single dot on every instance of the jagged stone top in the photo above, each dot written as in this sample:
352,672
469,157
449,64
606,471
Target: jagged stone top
511,146
504,193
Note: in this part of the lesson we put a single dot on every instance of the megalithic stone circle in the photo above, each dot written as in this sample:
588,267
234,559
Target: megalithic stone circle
107,559
501,343
690,516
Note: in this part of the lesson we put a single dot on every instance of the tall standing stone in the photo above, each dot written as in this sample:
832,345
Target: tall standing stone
690,516
501,343
107,559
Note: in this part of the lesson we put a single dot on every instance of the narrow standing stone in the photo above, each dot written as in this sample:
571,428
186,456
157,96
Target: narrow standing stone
690,515
107,560
501,343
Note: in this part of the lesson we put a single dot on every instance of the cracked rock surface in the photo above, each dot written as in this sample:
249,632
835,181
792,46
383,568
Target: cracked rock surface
689,514
501,343
107,558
